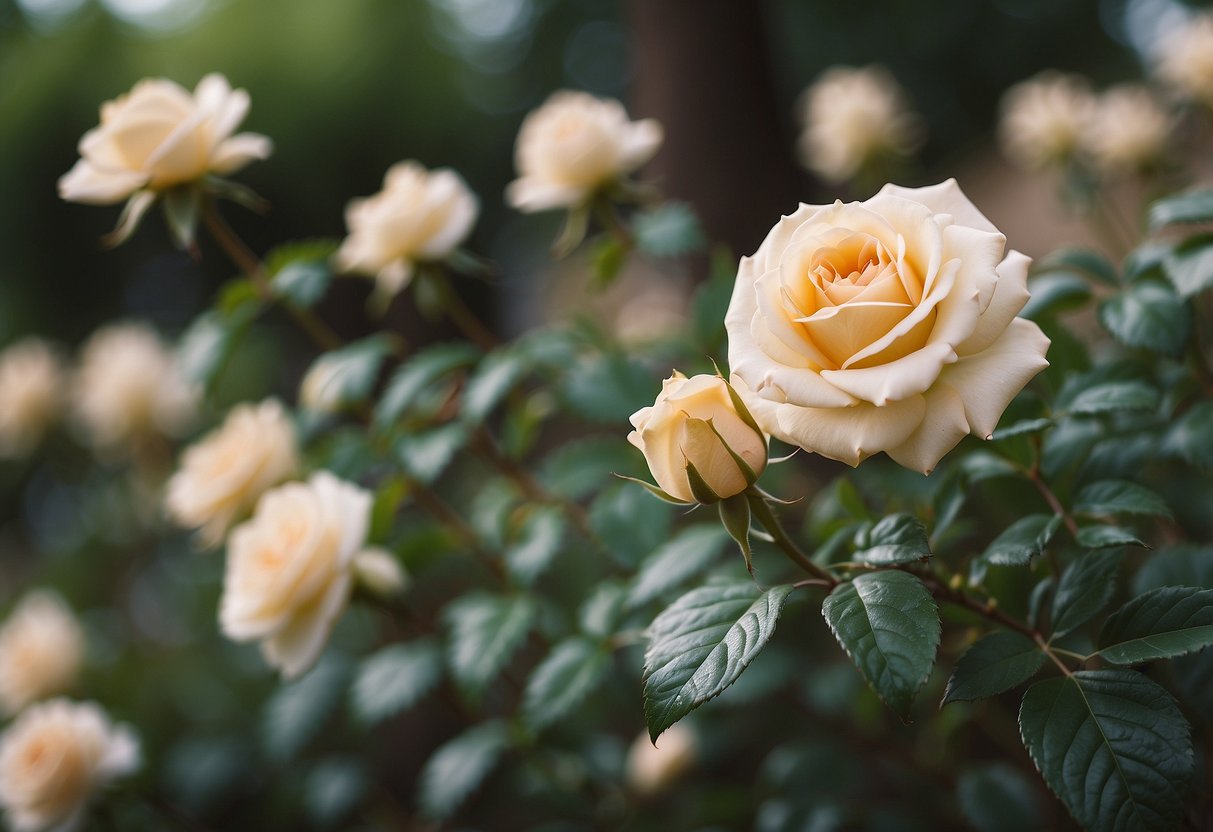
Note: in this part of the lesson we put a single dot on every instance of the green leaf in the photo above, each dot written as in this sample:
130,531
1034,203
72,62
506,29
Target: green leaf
1084,590
349,373
458,768
334,789
1022,428
417,373
701,644
563,680
606,259
1191,436
601,612
1112,745
1087,261
299,711
538,541
182,209
1146,260
993,665
630,522
999,798
1023,540
493,378
897,538
889,625
393,679
425,455
1119,497
581,467
607,387
1054,292
303,282
1149,316
206,344
688,553
669,230
1113,396
485,631
1190,265
1194,206
1103,537
1169,621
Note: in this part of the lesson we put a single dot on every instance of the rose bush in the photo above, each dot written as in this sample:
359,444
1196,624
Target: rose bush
885,325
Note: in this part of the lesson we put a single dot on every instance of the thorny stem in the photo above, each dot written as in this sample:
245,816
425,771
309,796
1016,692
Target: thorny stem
249,263
761,510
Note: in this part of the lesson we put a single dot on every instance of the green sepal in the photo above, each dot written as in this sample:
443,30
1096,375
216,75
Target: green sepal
655,491
576,222
740,407
702,492
182,209
128,220
735,515
236,192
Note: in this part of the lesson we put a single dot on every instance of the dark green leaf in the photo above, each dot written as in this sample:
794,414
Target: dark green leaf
999,798
207,343
418,373
1146,260
485,631
299,711
687,554
1022,428
1189,207
1039,601
536,545
1102,537
458,768
1119,497
607,387
334,789
1191,436
630,522
1113,396
897,538
578,468
1190,265
424,456
889,625
1148,315
1169,621
394,679
1023,540
182,208
1054,292
493,378
701,644
1084,590
303,282
563,680
606,259
1112,745
600,614
670,230
993,665
1087,261
348,374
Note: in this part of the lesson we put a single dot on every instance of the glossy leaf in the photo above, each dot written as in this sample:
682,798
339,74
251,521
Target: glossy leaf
1149,316
1119,497
1169,621
670,230
563,680
417,373
394,679
1194,206
993,665
485,631
1190,265
492,379
1103,537
1055,292
1112,745
1191,436
536,545
458,768
897,538
298,711
700,645
1113,396
1023,540
889,625
688,553
425,455
1084,590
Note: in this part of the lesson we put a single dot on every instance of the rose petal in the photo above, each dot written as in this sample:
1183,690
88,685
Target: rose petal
1010,295
298,645
87,183
943,426
640,143
945,198
979,253
236,152
527,194
988,380
847,434
457,214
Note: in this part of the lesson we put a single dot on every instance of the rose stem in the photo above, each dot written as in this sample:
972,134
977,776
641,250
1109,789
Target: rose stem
459,312
254,269
762,511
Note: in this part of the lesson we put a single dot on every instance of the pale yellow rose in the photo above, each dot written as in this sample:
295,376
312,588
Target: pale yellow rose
883,325
159,135
379,572
1044,119
695,430
1184,59
419,215
31,393
852,116
129,386
224,474
574,145
289,569
41,650
54,758
1130,130
653,768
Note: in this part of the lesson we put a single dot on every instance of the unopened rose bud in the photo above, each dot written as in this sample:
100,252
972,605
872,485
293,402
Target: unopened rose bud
379,573
700,442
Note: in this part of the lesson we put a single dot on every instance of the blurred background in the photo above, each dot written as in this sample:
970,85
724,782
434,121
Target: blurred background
346,89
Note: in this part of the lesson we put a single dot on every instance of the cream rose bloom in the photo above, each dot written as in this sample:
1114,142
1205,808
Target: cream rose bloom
884,325
653,767
41,650
574,145
1044,119
128,385
694,436
419,215
1130,130
1184,59
289,569
224,474
31,384
852,116
54,758
157,136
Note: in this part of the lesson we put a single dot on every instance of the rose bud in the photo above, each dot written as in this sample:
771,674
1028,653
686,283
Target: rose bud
699,440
